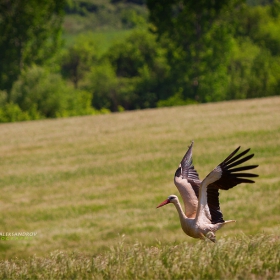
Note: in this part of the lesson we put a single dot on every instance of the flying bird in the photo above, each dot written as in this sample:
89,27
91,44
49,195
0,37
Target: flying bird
202,215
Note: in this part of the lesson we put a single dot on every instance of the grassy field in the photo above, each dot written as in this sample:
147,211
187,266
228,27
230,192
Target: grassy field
232,258
103,39
82,183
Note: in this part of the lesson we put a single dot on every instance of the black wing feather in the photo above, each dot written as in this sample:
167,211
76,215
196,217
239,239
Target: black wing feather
229,179
242,168
187,171
239,161
214,206
232,159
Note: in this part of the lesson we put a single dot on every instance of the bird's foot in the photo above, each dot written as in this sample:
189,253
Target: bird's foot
211,236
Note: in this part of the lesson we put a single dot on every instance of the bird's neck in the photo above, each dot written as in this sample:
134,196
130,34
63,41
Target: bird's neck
180,211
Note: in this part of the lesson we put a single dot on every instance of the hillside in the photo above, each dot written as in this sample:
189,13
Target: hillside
122,55
80,183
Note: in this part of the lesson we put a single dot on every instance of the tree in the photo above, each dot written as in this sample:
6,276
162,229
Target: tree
79,58
102,82
30,33
38,90
198,37
254,64
140,66
262,25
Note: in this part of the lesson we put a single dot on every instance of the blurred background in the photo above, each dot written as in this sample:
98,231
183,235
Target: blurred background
82,183
83,57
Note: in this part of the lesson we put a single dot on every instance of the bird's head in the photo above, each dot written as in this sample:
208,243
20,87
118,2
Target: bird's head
171,199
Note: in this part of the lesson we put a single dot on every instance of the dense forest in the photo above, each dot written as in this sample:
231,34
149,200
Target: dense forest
55,63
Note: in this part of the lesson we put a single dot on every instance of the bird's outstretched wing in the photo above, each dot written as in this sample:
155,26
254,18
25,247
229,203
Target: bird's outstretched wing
214,206
187,182
187,169
225,176
230,177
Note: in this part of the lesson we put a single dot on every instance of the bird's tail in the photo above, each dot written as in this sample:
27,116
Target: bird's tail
219,225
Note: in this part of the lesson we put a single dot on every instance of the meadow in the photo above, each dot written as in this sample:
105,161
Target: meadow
89,187
104,40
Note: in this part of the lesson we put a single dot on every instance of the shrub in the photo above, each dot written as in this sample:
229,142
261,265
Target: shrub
48,95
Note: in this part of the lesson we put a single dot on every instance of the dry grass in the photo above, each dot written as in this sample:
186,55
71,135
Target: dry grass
231,258
81,182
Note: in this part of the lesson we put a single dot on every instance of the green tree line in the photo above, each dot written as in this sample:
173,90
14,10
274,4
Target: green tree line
185,51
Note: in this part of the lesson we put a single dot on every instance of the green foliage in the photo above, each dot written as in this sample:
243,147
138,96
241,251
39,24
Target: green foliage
11,112
39,90
203,37
189,52
262,25
209,40
89,15
30,33
211,63
239,69
263,28
102,81
265,75
79,104
130,55
175,100
79,58
103,39
140,67
3,97
38,87
131,19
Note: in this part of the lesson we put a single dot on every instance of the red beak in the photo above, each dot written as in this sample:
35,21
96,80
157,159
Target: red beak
164,203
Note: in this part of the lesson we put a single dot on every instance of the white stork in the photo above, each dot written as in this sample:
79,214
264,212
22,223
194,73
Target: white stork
202,216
